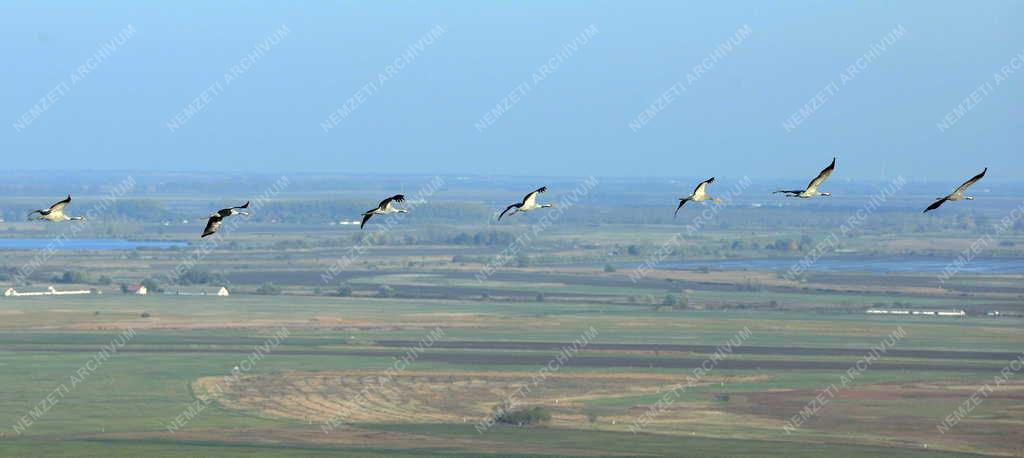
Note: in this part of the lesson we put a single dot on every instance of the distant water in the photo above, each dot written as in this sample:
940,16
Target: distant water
85,244
857,264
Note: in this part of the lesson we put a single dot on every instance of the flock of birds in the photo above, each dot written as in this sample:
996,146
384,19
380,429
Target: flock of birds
529,203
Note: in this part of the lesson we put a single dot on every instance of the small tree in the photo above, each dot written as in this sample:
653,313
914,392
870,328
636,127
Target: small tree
523,417
151,285
345,291
608,268
268,289
72,276
682,302
385,291
522,260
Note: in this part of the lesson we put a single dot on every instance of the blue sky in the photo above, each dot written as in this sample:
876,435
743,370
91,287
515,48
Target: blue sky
574,120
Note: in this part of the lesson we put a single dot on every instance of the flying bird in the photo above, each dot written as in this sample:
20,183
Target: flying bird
958,194
529,203
699,194
217,218
385,208
55,213
812,187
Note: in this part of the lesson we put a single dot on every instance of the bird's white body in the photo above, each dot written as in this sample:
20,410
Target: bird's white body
234,213
60,217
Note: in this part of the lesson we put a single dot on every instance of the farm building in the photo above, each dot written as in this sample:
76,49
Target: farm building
223,291
50,291
945,313
139,290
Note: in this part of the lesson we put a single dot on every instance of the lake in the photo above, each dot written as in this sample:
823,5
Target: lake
86,244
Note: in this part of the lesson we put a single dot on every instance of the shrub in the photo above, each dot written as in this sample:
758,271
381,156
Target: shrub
345,291
200,277
72,276
268,289
385,291
523,417
152,285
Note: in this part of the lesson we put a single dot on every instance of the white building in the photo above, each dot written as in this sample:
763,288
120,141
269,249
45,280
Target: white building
948,313
223,291
50,291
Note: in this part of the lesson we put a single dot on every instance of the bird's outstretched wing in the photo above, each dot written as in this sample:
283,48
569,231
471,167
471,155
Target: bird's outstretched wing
507,209
792,193
701,189
212,225
243,206
970,182
386,202
936,204
366,217
681,203
531,198
59,206
818,180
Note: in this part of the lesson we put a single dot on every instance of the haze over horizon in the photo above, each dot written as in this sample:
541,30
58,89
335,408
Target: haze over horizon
582,116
